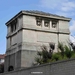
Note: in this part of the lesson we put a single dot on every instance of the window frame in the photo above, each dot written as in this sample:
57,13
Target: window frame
48,23
38,21
13,25
54,24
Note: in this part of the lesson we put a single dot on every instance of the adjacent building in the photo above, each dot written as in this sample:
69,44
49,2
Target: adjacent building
2,56
28,31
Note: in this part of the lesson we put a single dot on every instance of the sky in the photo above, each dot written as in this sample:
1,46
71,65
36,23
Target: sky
9,8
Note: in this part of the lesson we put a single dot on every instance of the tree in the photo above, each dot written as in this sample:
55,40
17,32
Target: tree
73,46
45,55
65,50
68,51
61,47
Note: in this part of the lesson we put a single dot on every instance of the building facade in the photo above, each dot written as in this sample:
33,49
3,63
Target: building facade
28,31
2,56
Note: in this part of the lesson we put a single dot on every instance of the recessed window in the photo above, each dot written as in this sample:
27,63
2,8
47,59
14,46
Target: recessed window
52,45
39,21
10,68
13,26
54,24
46,23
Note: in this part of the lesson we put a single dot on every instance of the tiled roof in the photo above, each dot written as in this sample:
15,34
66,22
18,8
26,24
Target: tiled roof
2,56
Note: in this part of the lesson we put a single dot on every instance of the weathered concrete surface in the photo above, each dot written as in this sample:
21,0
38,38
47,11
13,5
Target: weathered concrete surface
57,68
27,37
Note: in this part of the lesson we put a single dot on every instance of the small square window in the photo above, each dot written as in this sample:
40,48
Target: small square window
54,24
46,23
38,21
12,29
13,26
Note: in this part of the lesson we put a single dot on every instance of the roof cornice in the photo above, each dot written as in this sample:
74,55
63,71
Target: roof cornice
40,14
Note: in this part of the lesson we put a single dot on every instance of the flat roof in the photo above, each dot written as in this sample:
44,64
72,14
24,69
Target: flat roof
38,13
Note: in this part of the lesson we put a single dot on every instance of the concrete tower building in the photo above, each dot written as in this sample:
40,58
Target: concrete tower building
29,30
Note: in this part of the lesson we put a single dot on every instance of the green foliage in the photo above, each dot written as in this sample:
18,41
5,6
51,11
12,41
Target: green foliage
73,46
38,60
56,57
61,47
68,52
46,56
73,55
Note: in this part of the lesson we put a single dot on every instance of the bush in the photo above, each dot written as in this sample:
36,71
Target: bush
46,56
56,56
68,52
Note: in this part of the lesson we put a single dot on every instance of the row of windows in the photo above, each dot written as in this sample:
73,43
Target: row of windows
46,23
14,25
38,22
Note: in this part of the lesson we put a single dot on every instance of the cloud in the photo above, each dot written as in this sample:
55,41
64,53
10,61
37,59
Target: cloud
69,6
72,38
62,7
61,13
72,27
72,30
51,3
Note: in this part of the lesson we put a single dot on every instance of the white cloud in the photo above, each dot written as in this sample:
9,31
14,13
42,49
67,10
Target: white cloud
72,30
68,6
63,7
72,38
72,27
51,3
61,13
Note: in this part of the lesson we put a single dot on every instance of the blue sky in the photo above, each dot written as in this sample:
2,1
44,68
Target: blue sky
8,8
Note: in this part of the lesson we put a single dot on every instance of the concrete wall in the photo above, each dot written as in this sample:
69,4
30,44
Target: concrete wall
66,67
64,38
13,60
63,26
27,39
39,38
28,58
37,34
29,22
8,43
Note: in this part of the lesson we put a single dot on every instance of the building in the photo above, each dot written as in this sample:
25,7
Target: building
28,31
2,56
2,60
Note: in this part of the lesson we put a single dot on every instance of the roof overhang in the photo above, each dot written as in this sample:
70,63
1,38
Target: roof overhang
40,15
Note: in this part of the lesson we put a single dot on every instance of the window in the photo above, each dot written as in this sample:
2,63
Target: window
54,24
10,68
13,25
46,23
39,21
